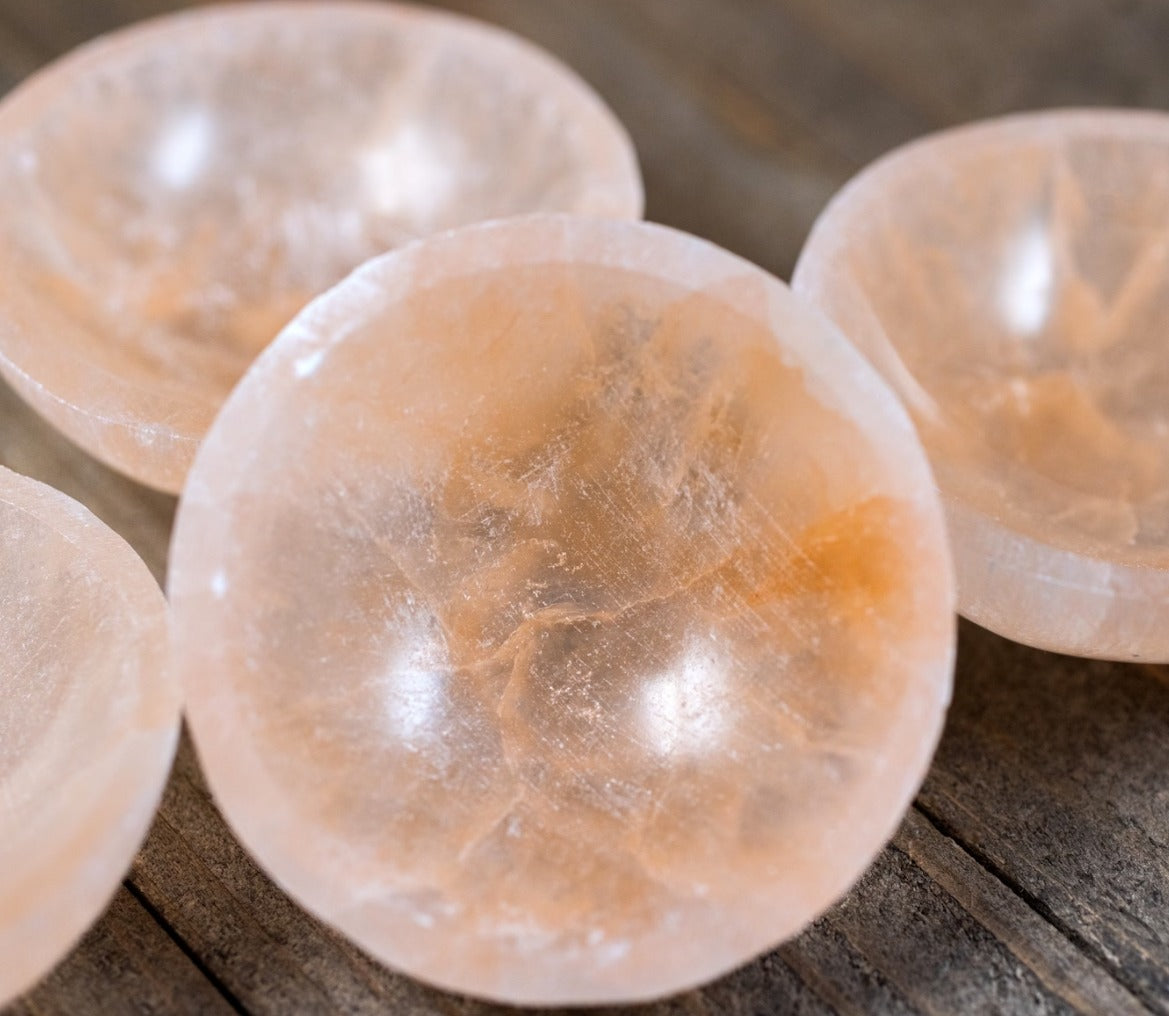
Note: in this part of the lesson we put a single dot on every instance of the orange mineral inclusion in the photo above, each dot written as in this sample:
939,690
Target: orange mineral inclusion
1011,280
174,193
564,610
89,714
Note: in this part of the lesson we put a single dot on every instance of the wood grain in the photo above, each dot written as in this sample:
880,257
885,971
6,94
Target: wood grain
126,962
1032,874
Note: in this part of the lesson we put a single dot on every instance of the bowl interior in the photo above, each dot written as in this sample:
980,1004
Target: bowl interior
1013,280
176,194
582,650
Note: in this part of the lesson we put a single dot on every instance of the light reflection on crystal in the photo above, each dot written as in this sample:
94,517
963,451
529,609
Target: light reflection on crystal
685,710
409,176
1026,287
413,694
184,149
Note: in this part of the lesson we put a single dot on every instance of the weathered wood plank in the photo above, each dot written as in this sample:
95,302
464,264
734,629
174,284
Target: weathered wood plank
18,58
1052,771
900,944
1060,965
55,26
801,94
705,168
957,61
125,961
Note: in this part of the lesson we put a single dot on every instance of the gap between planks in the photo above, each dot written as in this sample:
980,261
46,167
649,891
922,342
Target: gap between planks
1065,963
184,947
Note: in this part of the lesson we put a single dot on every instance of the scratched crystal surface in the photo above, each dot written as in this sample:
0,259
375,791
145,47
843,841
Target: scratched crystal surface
575,620
174,194
1011,280
88,719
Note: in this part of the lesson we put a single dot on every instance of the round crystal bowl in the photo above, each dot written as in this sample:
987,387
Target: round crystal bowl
1011,280
89,715
576,619
173,194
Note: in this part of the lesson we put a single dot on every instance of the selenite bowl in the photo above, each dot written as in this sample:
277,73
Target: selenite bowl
563,610
174,193
1011,280
89,716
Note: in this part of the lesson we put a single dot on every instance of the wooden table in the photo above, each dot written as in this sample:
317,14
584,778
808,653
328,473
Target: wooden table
1032,874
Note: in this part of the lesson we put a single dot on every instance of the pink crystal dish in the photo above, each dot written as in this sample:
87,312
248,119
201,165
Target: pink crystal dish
174,193
576,621
89,715
1010,279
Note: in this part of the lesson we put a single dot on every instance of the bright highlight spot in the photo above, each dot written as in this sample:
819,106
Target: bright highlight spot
685,709
414,683
183,150
307,365
1025,292
407,175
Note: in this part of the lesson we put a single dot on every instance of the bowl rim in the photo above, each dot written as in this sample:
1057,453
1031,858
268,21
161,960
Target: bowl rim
1039,125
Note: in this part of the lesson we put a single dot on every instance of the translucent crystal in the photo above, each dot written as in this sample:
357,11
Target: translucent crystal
1011,280
564,610
89,714
172,195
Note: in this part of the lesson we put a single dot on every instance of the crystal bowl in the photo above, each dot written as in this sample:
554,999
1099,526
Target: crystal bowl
174,193
576,620
89,716
1011,280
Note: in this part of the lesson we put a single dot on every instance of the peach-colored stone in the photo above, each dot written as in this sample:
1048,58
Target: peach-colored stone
564,610
173,194
1011,280
89,714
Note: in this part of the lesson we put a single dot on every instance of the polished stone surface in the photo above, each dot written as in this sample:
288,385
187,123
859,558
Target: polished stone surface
174,193
575,621
1011,280
89,714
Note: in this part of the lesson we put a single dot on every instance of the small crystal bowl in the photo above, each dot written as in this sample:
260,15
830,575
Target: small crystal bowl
89,716
1011,280
173,194
576,621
